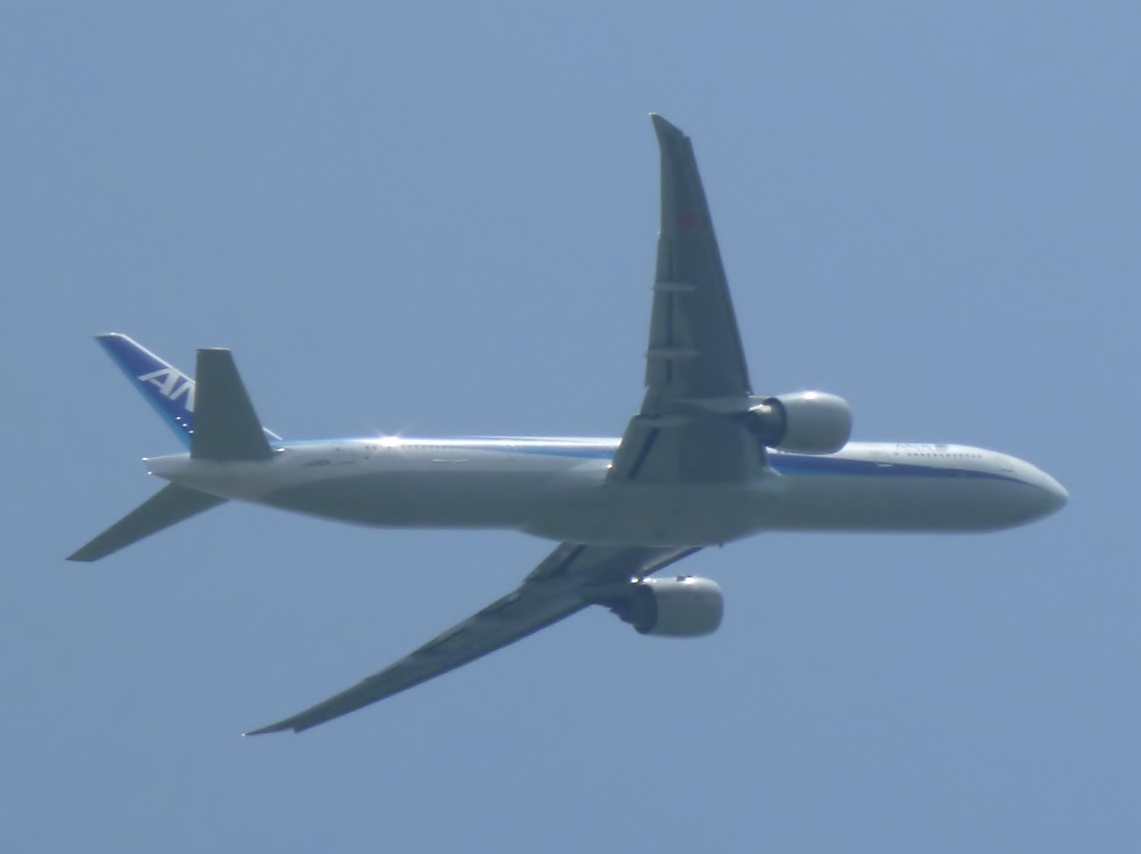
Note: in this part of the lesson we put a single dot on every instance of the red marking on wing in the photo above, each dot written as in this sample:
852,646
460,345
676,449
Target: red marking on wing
686,219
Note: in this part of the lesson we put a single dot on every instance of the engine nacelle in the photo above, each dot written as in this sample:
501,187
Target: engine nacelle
681,607
805,422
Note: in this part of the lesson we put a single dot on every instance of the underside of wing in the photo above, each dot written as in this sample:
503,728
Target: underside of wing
504,621
571,578
695,348
696,377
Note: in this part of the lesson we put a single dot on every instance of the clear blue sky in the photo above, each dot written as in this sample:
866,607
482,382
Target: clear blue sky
440,218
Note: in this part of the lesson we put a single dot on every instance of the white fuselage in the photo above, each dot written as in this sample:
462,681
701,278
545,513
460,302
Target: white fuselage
558,489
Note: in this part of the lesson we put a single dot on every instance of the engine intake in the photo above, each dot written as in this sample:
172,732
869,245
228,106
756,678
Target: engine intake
805,422
682,607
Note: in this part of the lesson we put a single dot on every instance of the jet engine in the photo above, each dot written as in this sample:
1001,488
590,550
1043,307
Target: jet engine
805,422
679,607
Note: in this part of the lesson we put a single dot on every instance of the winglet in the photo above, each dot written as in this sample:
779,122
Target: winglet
684,208
664,127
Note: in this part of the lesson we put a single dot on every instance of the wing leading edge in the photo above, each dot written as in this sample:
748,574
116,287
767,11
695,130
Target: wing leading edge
571,578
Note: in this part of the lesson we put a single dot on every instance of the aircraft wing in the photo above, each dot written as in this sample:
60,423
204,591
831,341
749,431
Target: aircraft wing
572,577
695,366
695,348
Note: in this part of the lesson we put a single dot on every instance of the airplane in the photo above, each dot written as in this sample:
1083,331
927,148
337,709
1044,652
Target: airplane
704,462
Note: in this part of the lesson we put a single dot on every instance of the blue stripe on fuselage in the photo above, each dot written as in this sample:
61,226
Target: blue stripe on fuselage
589,452
584,452
797,464
785,464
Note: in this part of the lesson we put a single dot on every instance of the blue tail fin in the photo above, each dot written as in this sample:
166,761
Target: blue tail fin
166,388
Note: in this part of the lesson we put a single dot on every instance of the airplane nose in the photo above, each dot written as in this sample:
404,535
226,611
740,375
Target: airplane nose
1056,494
1049,495
1040,495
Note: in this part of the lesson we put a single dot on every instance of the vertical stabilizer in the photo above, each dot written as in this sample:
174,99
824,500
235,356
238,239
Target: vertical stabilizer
172,393
226,428
166,388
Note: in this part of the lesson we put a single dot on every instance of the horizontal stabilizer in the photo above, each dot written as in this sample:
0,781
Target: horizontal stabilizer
226,428
172,504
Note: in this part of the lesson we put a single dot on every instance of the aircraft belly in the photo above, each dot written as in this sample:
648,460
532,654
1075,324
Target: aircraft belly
655,515
709,514
428,499
847,503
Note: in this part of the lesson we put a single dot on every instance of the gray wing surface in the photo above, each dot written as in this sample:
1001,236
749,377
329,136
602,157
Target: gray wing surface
695,365
695,348
568,580
169,506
